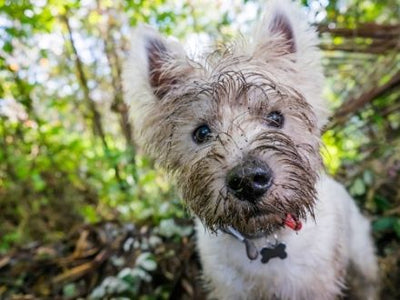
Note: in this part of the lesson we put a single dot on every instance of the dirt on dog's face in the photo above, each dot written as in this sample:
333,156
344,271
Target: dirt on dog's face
254,154
240,131
244,149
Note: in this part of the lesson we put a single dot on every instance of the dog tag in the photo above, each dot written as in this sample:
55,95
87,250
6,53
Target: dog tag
276,251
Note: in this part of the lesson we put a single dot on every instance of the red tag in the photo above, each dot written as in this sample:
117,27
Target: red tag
292,223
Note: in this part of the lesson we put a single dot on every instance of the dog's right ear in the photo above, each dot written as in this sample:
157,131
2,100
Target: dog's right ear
155,65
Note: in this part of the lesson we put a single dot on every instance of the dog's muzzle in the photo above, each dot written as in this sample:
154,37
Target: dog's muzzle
249,180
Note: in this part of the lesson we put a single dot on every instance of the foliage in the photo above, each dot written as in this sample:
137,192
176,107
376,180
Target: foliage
103,261
67,150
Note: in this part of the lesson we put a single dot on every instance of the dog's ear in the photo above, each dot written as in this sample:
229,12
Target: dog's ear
155,65
283,31
281,27
157,61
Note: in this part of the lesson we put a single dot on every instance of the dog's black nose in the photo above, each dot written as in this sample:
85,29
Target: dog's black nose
249,180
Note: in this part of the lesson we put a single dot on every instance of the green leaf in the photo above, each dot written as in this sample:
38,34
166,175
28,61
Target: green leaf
38,183
90,214
358,188
384,224
8,47
146,262
368,177
69,290
382,203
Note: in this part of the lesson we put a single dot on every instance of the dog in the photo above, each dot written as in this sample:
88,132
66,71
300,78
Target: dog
240,132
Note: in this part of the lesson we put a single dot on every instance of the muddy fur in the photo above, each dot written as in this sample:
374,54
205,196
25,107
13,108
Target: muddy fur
233,91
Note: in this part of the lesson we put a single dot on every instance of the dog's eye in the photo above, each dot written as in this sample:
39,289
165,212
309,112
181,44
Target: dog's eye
201,134
275,119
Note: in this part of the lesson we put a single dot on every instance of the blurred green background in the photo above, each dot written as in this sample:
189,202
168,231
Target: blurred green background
84,214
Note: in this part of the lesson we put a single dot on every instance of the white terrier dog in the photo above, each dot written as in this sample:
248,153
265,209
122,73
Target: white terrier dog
240,133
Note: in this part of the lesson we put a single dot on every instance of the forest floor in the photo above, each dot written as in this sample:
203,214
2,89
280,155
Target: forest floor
111,259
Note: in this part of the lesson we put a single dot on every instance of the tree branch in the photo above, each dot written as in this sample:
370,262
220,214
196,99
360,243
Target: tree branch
354,105
96,117
365,38
369,30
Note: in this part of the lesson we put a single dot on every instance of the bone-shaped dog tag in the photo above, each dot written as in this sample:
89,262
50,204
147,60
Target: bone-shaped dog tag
276,251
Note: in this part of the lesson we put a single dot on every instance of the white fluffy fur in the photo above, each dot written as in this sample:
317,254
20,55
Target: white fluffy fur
309,271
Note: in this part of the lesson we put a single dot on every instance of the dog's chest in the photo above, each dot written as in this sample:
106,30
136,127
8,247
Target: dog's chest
310,268
274,267
227,260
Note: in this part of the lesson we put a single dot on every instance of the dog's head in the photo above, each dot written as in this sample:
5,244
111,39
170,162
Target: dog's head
240,130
